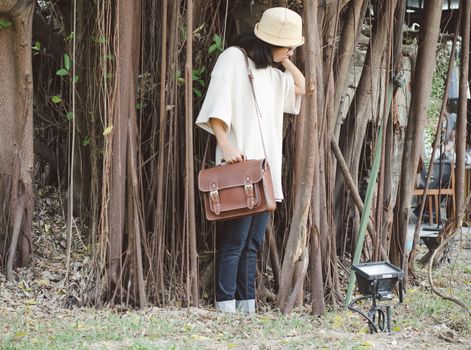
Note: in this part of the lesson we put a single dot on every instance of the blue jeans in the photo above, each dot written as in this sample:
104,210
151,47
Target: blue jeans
237,243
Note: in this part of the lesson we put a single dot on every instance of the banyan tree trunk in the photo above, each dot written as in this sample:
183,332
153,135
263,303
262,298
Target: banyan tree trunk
294,256
360,112
345,53
461,123
16,134
123,214
190,227
387,199
326,110
421,87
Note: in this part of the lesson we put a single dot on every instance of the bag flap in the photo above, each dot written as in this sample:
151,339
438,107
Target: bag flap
230,175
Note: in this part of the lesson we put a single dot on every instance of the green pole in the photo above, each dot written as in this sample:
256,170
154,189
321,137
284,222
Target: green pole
368,200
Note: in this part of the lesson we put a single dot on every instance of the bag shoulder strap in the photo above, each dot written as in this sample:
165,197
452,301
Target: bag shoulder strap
257,108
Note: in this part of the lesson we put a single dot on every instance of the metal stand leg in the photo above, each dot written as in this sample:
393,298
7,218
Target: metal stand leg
388,318
379,319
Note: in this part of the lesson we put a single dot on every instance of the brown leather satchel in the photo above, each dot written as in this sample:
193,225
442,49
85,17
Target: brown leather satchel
235,190
231,191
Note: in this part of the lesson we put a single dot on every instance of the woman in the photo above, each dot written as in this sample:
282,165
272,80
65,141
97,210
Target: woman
229,112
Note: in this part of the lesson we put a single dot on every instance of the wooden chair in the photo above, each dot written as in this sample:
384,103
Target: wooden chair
433,197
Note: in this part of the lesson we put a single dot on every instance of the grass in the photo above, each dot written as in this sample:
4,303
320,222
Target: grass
423,307
424,320
166,329
195,329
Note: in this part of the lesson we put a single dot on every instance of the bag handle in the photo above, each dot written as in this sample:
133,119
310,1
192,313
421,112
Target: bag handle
257,108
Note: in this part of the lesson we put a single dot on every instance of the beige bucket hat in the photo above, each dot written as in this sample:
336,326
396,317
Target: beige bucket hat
280,26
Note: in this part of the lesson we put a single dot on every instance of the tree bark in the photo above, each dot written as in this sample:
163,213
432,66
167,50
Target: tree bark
345,53
360,112
16,133
274,258
190,227
461,122
127,63
385,200
325,74
136,227
421,88
303,188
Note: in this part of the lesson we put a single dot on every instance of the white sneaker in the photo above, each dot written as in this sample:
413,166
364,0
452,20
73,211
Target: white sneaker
246,306
228,306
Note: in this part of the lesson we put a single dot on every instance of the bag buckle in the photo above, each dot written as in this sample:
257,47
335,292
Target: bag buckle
214,197
249,192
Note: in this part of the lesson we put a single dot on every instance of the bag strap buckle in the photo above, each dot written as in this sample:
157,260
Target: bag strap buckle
249,192
214,197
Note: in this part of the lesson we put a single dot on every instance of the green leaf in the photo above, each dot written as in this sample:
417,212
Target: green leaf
66,61
61,72
76,79
86,141
196,73
36,46
197,92
139,106
108,75
5,23
70,36
212,48
202,82
217,44
99,40
180,80
69,116
56,99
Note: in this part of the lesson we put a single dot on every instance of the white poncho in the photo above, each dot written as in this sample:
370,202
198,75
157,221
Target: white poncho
229,98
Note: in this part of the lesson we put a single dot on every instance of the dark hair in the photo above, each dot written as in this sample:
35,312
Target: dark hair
259,51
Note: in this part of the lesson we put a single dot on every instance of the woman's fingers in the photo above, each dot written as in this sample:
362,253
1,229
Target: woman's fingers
237,158
234,157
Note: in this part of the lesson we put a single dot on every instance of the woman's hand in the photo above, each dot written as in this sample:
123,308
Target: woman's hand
232,154
299,80
280,54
